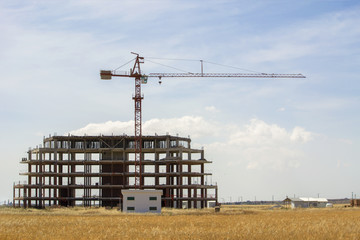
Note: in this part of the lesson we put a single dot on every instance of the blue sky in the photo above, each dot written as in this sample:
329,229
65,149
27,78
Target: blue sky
265,137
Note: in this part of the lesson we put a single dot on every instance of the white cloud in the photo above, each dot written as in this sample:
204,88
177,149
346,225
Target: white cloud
346,141
187,125
342,164
107,128
39,134
327,34
211,109
258,144
259,132
184,126
328,103
299,134
272,157
96,9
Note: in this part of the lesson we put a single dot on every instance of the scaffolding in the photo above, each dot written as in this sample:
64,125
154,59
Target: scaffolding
92,171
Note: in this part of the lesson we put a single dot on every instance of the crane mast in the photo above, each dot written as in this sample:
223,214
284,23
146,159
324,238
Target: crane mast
135,73
138,128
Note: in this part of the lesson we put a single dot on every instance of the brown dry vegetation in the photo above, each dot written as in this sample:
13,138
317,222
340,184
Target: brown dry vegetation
233,222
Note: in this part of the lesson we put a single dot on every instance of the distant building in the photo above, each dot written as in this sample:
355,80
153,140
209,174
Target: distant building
141,201
355,202
306,202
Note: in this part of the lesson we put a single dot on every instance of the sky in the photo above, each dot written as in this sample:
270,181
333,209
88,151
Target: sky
267,138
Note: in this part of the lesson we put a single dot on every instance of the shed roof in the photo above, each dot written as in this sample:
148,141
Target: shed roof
142,191
308,199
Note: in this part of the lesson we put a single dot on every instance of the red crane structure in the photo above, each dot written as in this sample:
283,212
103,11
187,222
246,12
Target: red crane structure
140,78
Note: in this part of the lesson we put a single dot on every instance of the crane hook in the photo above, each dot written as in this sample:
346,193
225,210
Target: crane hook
160,80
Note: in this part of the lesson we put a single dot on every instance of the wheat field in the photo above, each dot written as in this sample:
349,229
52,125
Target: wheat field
232,222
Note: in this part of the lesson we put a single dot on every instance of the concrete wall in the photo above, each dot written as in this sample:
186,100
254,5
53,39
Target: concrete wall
141,201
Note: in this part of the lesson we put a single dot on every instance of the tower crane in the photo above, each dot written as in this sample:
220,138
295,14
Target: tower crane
140,78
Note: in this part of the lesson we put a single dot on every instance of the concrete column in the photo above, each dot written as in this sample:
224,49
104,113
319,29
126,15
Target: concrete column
29,189
142,170
205,196
13,195
55,190
216,195
189,177
19,195
156,172
179,184
195,197
167,175
40,180
202,180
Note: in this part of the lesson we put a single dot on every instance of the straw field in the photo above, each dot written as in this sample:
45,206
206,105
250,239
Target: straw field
232,222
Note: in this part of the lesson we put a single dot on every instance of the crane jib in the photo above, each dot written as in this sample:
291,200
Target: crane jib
244,75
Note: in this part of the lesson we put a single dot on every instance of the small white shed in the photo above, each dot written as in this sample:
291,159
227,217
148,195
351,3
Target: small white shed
141,201
306,202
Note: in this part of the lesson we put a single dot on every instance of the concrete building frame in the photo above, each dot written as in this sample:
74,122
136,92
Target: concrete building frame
93,170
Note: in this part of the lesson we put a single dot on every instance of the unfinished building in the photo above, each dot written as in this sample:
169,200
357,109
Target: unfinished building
92,171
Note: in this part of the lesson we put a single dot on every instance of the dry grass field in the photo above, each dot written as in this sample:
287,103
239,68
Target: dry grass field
232,222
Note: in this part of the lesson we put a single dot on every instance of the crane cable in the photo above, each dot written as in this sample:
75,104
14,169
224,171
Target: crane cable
174,59
196,60
231,67
170,67
184,59
124,64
